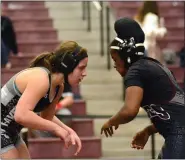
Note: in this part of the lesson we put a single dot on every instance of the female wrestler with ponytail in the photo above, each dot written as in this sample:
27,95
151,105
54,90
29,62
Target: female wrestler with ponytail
38,89
150,85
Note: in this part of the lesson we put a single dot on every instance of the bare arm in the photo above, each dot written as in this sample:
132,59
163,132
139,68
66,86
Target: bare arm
151,129
61,124
24,110
127,113
49,113
140,139
70,132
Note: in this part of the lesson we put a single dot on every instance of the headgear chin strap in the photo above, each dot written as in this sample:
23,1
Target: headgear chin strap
128,50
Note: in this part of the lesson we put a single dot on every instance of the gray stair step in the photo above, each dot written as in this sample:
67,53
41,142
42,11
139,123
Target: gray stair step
80,24
124,143
60,10
100,76
103,107
67,5
56,12
127,157
102,91
97,67
126,130
79,35
63,5
127,153
67,24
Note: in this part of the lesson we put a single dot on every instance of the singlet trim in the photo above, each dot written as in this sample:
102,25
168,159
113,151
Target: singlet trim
16,89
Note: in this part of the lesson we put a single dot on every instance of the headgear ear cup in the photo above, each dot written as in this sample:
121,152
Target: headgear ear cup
128,50
67,63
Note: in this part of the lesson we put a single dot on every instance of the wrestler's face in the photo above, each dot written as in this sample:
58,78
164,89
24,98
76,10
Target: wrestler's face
78,73
118,64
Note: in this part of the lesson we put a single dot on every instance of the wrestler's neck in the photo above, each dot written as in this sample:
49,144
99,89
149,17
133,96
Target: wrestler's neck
57,79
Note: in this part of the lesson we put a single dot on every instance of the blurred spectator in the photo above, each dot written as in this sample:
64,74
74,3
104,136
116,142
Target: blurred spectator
8,39
169,56
61,109
4,55
153,26
181,55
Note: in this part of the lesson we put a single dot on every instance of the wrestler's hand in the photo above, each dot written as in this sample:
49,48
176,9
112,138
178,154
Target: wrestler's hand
77,141
140,139
107,129
65,136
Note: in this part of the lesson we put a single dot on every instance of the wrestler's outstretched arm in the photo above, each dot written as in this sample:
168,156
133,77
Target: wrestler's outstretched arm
141,137
128,112
49,114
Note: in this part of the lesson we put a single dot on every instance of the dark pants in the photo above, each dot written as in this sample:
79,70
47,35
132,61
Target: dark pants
4,53
184,82
173,148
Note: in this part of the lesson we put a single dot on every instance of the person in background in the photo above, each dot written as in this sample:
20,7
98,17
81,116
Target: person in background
8,38
153,26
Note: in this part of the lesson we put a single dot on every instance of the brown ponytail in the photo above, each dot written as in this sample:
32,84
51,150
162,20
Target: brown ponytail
42,60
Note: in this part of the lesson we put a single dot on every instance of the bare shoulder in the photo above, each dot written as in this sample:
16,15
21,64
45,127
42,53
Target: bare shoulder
36,85
38,73
34,77
39,77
